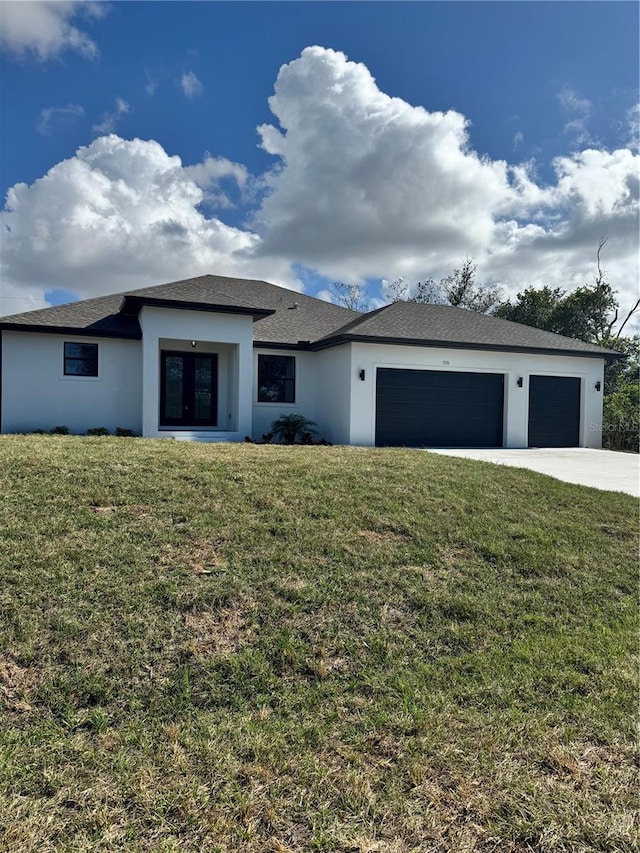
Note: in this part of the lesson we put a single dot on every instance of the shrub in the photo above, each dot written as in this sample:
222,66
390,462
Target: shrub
98,431
39,432
59,430
621,419
123,432
288,427
267,437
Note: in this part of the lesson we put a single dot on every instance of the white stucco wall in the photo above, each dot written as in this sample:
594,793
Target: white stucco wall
230,335
337,383
514,365
305,394
37,395
323,392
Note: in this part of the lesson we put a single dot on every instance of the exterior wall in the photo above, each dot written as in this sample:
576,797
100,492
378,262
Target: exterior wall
37,395
126,393
369,357
231,336
337,386
305,396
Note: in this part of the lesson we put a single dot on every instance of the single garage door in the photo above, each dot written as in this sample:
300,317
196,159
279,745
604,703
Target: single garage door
554,411
438,408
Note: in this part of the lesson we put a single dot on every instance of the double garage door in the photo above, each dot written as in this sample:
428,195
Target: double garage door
440,408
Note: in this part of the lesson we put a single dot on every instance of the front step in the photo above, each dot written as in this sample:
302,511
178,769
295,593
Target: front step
188,435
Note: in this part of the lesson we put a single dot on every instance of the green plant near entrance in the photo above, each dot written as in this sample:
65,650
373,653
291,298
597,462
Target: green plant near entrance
288,428
319,650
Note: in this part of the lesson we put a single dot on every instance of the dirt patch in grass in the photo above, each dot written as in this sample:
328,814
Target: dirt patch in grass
454,557
383,537
200,556
15,683
220,632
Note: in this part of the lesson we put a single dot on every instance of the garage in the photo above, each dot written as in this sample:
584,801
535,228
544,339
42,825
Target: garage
554,411
438,408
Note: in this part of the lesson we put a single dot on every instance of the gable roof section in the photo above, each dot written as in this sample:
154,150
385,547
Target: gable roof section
418,324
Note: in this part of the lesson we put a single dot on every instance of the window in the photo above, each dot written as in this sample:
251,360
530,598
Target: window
80,359
276,379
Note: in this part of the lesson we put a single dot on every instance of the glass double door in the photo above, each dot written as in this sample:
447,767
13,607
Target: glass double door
188,389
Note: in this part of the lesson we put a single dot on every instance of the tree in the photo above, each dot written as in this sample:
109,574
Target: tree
591,314
462,291
398,291
350,296
537,308
621,418
459,289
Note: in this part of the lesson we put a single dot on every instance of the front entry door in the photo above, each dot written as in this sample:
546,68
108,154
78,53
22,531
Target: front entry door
189,389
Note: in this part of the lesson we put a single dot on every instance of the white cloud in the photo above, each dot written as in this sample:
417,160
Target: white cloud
365,186
119,214
190,85
573,102
368,186
50,115
110,119
600,184
210,175
633,128
44,30
15,298
518,139
151,84
578,111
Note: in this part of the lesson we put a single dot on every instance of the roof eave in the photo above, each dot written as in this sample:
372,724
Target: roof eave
131,306
298,345
70,330
337,340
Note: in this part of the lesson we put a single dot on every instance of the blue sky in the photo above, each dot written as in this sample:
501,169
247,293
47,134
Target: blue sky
421,134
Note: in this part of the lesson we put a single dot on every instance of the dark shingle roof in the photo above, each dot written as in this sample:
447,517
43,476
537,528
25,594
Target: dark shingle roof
286,318
278,321
444,325
99,316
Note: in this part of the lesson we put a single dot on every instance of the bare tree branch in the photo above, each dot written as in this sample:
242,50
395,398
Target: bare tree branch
350,296
629,315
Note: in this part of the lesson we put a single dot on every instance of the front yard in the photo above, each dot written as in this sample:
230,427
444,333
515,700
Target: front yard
263,648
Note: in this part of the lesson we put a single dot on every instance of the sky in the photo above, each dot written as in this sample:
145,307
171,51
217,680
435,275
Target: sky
306,143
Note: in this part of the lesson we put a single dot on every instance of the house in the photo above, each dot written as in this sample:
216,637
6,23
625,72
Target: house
217,359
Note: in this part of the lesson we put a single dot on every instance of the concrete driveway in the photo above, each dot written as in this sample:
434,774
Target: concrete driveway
601,469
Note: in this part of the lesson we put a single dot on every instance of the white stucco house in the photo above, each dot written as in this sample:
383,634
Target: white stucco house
217,359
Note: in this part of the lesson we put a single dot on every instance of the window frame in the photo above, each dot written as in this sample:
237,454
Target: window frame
65,374
288,381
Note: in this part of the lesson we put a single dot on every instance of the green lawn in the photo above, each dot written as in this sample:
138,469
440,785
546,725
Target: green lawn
261,648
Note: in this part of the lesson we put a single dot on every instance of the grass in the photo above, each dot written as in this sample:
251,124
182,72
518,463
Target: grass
258,648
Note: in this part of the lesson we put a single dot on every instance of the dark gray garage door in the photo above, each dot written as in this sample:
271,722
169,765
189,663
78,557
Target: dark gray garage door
554,411
438,408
